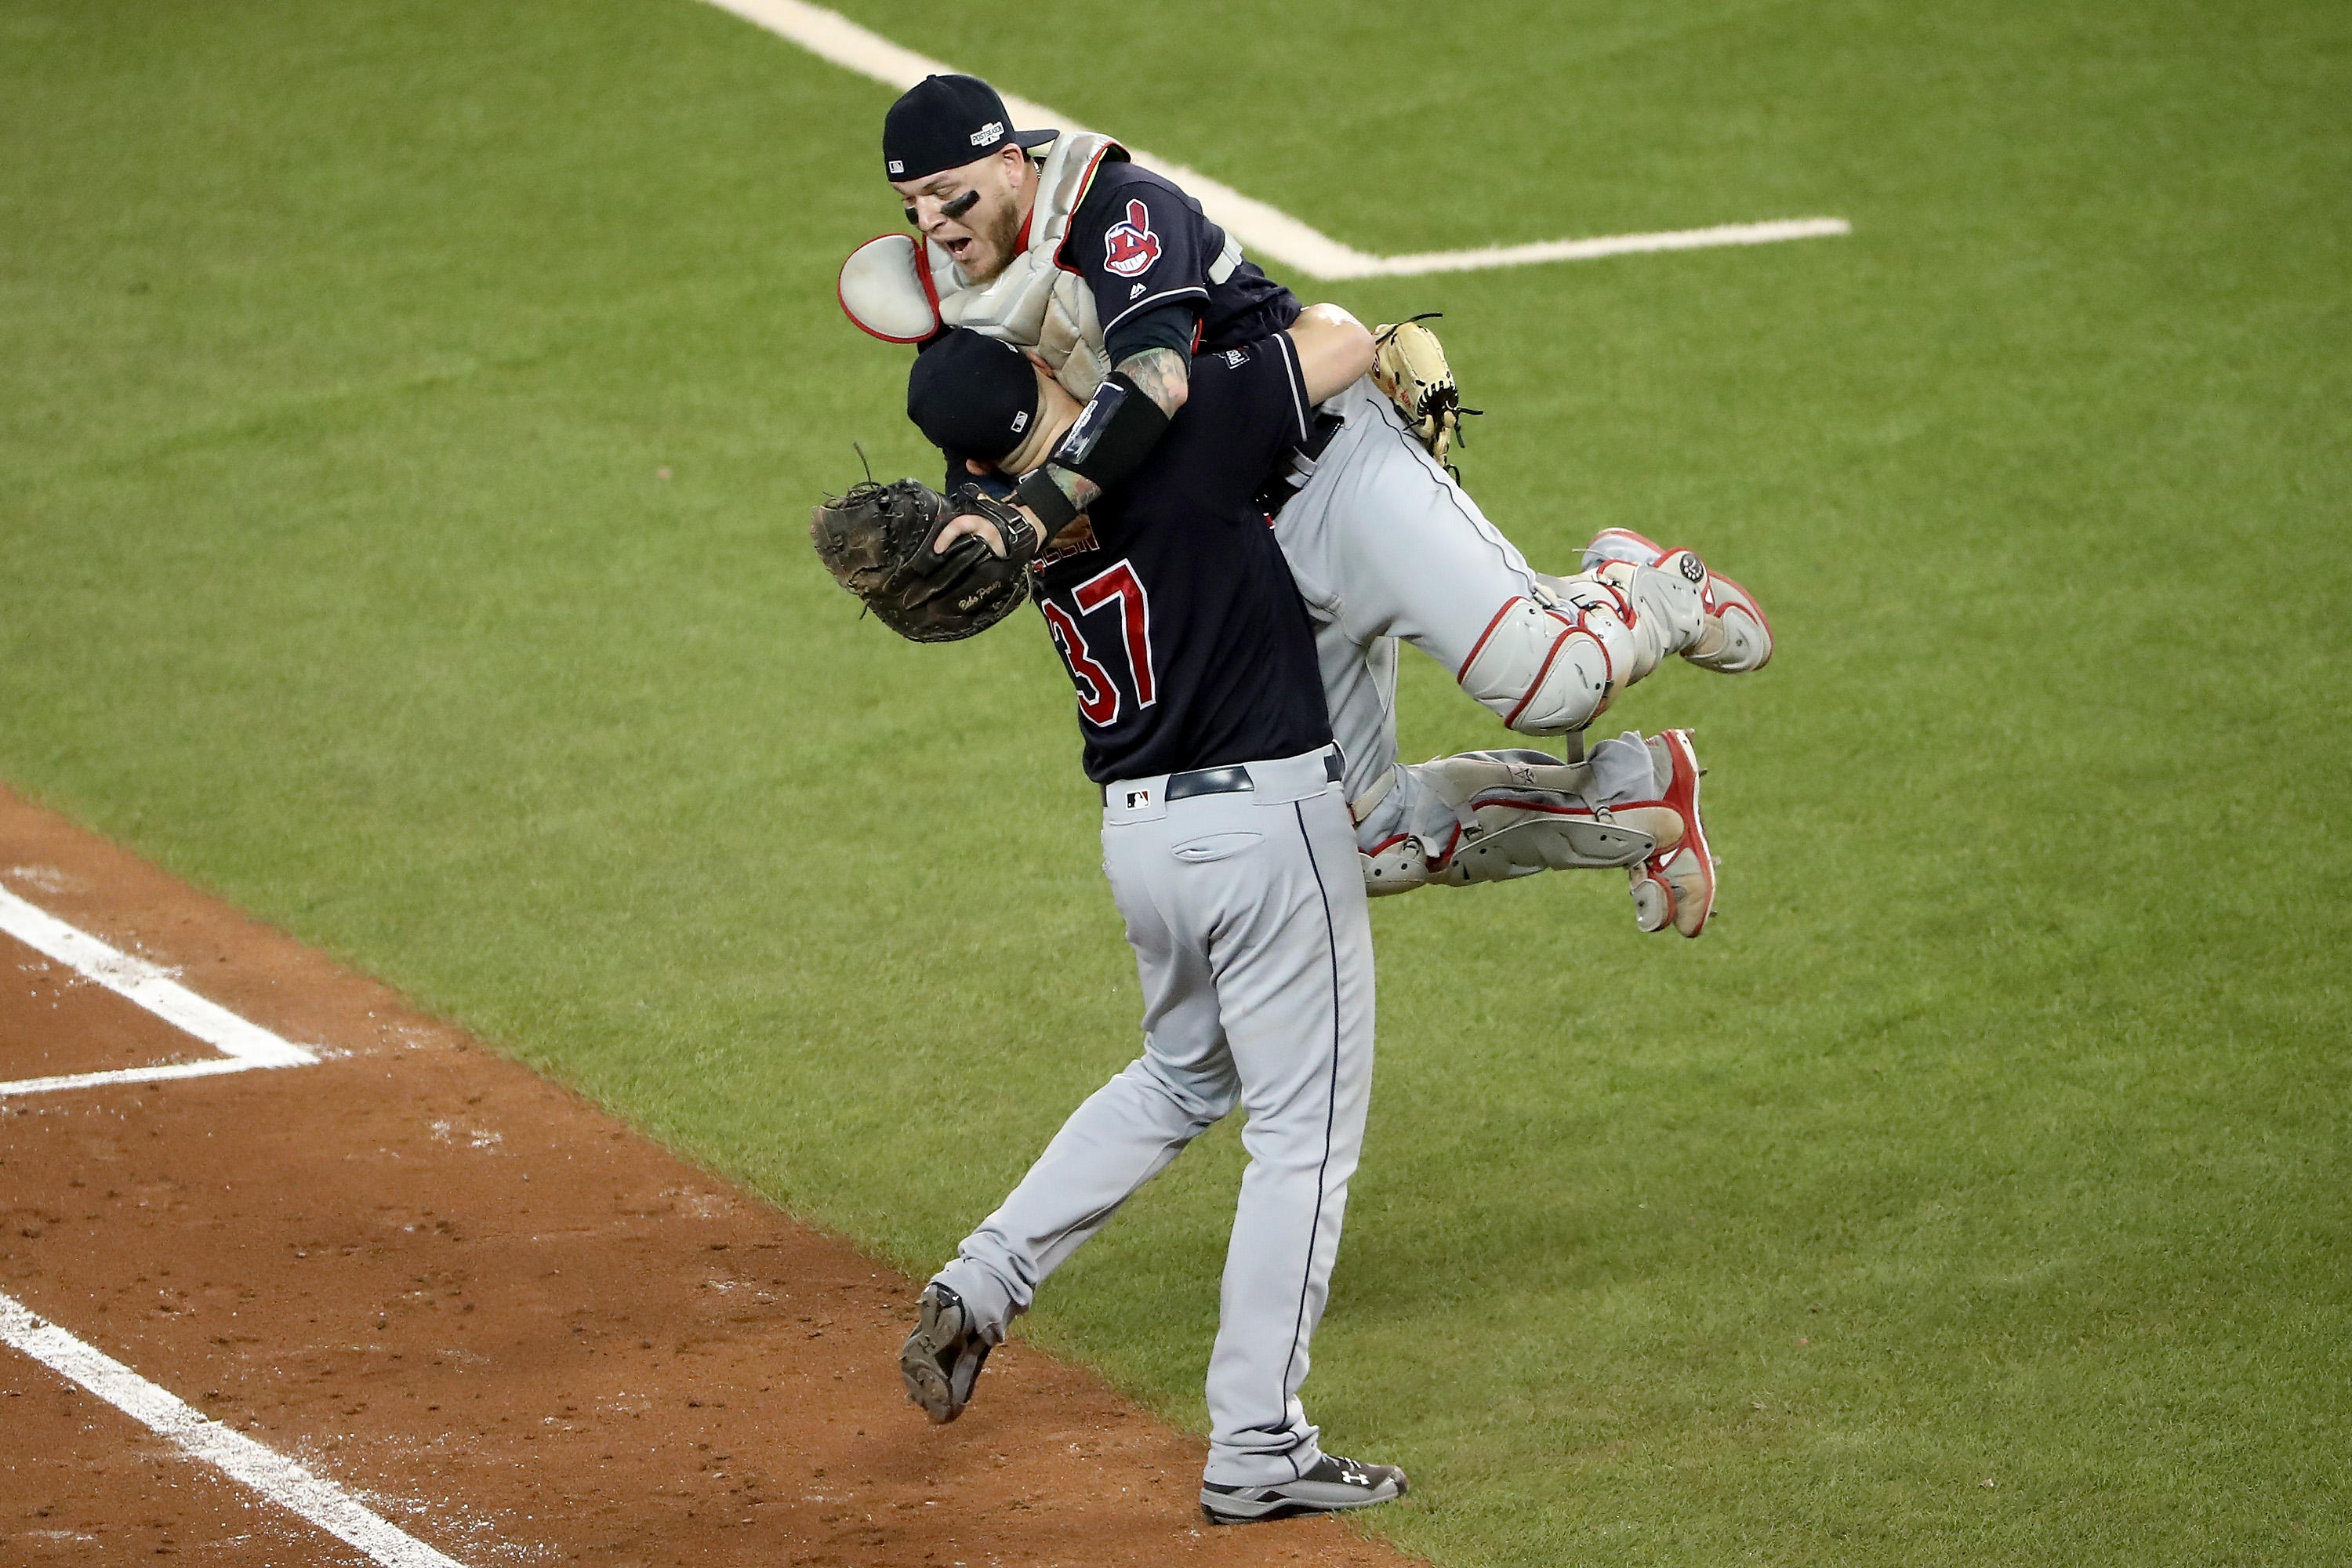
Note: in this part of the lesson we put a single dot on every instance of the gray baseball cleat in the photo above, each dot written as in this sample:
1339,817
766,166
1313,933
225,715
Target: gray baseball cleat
1333,1484
942,1358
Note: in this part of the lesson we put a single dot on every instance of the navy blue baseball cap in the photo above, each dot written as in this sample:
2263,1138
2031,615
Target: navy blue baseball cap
972,395
945,122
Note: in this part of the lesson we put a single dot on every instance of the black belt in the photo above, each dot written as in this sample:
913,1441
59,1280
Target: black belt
1230,779
1287,480
1326,426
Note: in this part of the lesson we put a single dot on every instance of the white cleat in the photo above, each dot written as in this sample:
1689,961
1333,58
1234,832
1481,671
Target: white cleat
1737,637
1676,886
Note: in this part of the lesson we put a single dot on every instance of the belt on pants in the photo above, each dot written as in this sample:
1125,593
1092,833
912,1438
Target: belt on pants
1298,463
1227,780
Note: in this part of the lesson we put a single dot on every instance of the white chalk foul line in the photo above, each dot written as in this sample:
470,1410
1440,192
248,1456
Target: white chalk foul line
1266,230
272,1474
244,1045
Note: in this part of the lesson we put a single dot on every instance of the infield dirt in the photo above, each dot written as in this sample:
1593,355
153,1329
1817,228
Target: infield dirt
515,1328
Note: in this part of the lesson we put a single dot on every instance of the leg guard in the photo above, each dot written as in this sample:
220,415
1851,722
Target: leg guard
1662,607
1546,669
1392,856
1491,817
1733,637
1398,866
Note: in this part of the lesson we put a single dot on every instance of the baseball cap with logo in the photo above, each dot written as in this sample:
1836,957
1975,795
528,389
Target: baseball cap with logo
972,395
945,122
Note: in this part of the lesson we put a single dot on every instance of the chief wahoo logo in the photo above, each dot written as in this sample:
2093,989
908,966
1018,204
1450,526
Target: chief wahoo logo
1129,249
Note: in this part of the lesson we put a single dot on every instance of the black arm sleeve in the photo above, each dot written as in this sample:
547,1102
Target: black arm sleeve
1174,325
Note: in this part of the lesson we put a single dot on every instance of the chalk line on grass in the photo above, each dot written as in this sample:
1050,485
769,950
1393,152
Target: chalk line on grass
244,1045
281,1480
1266,230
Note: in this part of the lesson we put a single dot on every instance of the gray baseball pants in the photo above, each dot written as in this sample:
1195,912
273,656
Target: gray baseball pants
1247,916
1385,545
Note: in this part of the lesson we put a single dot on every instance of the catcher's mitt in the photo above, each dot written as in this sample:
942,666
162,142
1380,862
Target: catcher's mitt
1409,364
876,542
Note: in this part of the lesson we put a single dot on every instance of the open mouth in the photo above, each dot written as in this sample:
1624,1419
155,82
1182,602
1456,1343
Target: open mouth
958,248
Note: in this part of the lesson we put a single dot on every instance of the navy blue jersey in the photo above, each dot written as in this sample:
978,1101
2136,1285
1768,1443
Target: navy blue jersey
1141,243
1179,621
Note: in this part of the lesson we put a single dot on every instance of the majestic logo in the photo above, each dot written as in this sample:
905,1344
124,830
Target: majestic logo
1021,422
1236,358
1129,249
989,134
896,167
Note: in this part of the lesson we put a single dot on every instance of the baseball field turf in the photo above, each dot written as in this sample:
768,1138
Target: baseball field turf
409,412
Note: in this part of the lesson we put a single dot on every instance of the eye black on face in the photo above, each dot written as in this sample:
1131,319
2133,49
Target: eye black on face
949,210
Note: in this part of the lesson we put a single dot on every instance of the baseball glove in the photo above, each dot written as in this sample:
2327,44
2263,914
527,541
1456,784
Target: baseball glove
1409,364
876,542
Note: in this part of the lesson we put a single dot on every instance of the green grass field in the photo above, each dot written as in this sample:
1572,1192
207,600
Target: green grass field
1976,1191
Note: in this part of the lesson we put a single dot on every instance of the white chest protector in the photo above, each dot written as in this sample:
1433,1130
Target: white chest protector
902,296
1034,304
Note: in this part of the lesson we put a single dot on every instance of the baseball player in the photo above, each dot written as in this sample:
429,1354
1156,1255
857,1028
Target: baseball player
1232,858
982,402
1118,281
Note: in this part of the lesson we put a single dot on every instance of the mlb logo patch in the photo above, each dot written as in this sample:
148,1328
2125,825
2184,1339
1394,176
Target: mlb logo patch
1130,248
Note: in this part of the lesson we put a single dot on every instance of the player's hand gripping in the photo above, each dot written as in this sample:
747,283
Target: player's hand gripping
1010,532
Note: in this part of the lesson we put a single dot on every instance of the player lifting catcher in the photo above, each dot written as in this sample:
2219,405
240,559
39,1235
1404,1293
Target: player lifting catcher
1113,278
1231,854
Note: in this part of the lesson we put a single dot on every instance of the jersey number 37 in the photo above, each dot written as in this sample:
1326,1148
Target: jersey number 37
1099,698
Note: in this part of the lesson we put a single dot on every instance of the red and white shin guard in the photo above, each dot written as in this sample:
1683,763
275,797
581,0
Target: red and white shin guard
1545,669
1676,884
1492,816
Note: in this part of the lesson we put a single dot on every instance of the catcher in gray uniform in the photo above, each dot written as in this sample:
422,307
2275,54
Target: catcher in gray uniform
1059,244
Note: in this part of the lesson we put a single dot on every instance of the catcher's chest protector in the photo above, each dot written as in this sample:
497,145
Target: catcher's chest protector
1033,302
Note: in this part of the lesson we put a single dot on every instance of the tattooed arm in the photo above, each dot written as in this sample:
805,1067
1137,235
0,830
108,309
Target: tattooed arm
1162,375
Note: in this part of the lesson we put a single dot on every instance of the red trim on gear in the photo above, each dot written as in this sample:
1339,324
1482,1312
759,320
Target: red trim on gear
1535,685
1608,668
1682,798
1657,553
1085,184
1480,646
1535,806
922,276
1385,843
1748,602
